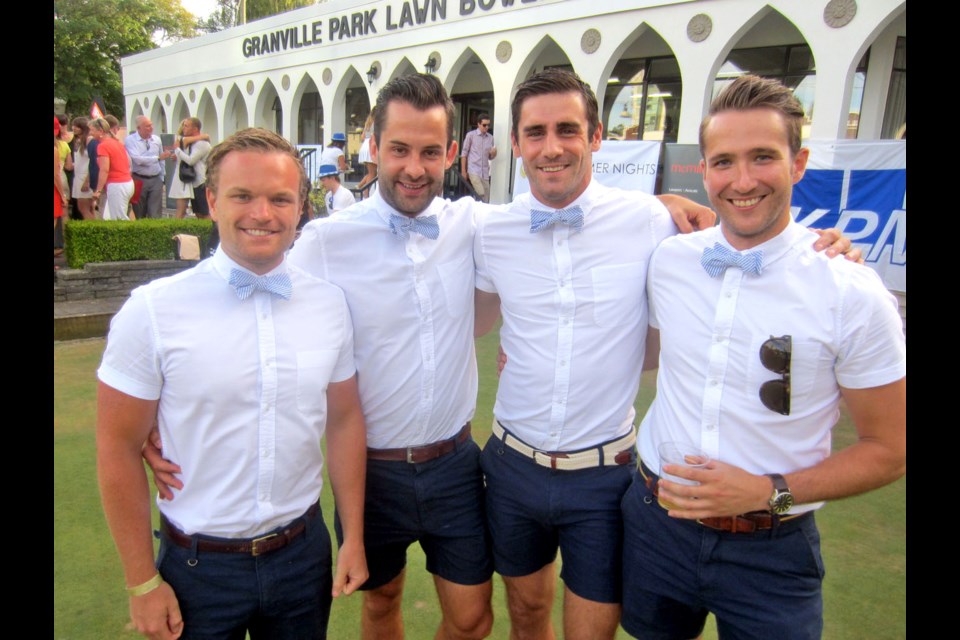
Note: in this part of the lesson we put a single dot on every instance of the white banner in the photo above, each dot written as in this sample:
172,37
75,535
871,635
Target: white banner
860,187
627,164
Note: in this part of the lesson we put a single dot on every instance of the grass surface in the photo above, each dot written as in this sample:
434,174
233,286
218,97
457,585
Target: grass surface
864,538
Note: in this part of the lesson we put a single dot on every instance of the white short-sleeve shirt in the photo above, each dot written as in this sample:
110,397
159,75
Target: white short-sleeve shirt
412,306
844,328
574,314
241,387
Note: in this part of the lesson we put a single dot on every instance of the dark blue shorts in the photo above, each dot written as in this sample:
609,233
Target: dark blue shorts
758,585
438,503
533,510
284,594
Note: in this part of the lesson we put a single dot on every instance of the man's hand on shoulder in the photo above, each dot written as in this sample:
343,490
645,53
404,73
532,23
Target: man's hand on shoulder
687,214
836,244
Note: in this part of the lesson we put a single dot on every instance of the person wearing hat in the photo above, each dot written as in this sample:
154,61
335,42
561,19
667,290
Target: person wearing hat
337,198
333,154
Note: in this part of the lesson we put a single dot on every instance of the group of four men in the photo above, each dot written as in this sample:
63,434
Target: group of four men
385,360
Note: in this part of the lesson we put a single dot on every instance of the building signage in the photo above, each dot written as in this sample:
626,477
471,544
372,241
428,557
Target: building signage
382,19
626,164
860,187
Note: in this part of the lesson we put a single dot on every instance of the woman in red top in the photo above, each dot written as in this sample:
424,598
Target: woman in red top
114,171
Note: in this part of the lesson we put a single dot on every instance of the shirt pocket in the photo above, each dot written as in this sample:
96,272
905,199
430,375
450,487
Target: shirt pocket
809,359
457,280
314,369
618,293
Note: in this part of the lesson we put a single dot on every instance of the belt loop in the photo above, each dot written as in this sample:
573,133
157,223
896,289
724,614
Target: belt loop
601,452
192,561
774,526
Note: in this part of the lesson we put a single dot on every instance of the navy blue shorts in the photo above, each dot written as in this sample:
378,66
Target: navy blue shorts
533,510
284,594
758,585
437,503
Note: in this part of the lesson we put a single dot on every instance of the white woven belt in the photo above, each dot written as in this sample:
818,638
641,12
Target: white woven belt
573,461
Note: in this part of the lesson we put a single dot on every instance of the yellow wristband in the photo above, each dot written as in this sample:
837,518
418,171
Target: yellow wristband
146,587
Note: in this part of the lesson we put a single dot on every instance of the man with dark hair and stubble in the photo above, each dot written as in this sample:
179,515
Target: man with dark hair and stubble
412,305
478,151
760,339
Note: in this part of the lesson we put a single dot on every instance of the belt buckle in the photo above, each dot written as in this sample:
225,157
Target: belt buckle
254,551
410,455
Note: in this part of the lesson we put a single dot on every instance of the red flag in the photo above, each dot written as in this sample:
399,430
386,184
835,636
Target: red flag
95,111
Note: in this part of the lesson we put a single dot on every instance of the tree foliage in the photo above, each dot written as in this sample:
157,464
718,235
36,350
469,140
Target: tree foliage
228,11
91,36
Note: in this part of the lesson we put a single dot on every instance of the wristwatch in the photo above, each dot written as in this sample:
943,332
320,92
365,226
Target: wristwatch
781,500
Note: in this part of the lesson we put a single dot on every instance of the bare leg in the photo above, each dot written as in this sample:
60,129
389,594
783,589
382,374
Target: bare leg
181,207
381,617
467,612
529,600
588,620
85,206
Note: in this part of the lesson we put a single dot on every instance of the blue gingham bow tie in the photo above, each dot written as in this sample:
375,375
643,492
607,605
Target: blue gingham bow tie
540,220
427,226
716,259
245,283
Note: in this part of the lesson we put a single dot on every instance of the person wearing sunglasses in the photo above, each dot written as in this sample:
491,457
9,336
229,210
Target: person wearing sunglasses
478,151
761,338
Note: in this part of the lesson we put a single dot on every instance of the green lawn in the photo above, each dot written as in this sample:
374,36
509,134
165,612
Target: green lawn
864,538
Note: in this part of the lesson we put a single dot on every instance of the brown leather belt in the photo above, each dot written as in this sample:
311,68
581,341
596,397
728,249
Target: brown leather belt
750,522
423,453
251,546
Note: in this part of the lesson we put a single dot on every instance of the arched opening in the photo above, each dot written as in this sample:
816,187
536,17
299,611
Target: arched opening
207,112
235,116
306,100
356,107
774,48
642,96
268,113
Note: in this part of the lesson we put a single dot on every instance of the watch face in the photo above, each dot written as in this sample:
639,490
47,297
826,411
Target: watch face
782,503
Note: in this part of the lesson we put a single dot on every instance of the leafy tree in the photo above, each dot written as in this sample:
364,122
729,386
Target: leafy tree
91,36
228,12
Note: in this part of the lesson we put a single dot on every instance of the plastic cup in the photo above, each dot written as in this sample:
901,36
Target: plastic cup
680,453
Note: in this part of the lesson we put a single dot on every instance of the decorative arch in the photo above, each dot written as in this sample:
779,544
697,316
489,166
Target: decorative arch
235,116
268,113
307,103
403,68
546,53
640,89
207,112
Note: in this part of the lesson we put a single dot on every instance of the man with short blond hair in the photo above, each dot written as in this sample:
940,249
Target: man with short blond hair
245,362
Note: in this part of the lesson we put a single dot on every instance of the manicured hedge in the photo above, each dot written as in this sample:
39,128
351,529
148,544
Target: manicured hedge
120,240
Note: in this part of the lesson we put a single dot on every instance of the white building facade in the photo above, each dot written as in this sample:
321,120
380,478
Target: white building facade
654,65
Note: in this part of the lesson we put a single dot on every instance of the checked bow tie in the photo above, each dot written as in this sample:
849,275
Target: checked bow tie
427,226
540,220
716,259
245,283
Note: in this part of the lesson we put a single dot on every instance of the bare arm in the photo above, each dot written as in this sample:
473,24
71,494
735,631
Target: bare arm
486,310
342,163
188,140
836,244
347,464
651,355
123,423
876,459
104,163
57,183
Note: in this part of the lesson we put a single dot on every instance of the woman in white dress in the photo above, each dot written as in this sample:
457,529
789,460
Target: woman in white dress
366,157
81,168
180,191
